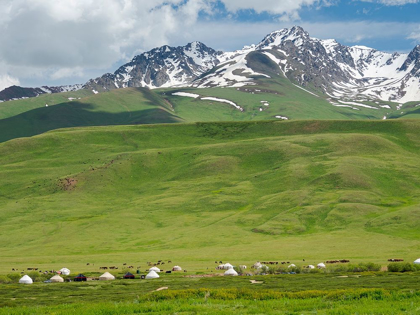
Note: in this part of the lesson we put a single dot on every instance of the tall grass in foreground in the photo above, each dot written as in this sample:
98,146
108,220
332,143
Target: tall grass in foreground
363,301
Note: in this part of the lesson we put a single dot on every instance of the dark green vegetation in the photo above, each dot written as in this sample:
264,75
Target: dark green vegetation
131,106
237,192
289,294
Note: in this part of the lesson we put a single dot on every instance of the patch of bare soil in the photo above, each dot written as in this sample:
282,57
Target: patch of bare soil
68,183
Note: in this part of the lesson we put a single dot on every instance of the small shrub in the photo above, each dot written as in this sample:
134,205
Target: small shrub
5,279
403,267
14,277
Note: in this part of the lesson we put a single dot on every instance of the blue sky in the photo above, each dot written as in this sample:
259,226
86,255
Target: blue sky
55,42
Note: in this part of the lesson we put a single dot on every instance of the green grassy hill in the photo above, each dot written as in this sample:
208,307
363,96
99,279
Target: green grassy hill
242,191
28,117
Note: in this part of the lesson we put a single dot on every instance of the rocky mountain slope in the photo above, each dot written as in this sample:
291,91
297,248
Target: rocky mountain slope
16,92
161,67
346,76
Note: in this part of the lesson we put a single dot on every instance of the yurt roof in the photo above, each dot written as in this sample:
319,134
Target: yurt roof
177,268
321,265
65,271
107,275
57,278
291,266
231,272
417,261
228,265
156,269
80,276
25,279
128,274
152,275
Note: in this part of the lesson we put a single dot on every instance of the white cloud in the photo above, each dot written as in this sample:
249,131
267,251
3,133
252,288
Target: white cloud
67,72
47,41
6,81
49,37
273,6
393,2
415,36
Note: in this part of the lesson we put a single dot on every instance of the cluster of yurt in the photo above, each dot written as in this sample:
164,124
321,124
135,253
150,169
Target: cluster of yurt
153,273
155,269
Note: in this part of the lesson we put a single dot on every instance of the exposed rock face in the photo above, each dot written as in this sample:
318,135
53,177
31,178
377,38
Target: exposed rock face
341,72
324,66
16,92
161,67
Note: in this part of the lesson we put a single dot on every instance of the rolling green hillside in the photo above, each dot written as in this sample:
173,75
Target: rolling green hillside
28,117
242,191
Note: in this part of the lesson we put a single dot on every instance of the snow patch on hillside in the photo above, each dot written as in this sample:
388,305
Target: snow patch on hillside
222,101
186,94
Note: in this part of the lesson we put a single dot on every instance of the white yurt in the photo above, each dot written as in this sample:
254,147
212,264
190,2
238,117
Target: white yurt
321,266
177,268
65,271
311,267
107,276
417,262
155,269
257,265
152,275
228,266
26,280
292,266
231,272
57,278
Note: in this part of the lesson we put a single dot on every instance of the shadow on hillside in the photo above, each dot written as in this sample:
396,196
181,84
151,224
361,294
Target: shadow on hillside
76,114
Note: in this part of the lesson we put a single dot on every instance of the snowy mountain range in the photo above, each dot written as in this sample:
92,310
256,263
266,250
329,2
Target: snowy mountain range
344,75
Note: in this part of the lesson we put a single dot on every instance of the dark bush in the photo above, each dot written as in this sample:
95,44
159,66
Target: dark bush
403,267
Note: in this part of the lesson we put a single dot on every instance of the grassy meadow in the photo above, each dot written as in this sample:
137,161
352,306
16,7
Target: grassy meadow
369,293
196,193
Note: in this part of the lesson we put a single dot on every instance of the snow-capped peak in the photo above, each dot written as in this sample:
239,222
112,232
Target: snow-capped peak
296,34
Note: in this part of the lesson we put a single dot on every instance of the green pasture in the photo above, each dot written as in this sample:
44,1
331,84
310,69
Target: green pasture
285,294
197,193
